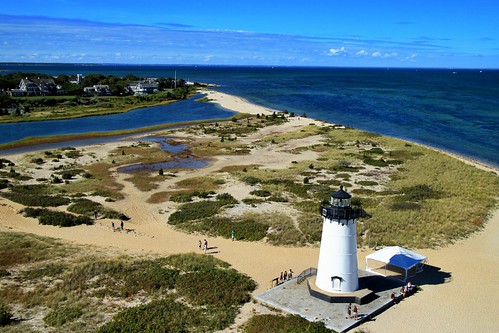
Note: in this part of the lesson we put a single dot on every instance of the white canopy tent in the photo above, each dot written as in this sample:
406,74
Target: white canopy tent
396,257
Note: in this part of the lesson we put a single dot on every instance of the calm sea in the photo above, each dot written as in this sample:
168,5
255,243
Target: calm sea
451,109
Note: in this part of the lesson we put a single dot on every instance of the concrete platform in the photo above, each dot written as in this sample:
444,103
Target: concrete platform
295,298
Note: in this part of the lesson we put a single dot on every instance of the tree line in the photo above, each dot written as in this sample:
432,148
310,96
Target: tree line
117,85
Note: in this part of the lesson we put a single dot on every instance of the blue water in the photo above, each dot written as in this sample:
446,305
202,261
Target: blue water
172,113
185,161
454,110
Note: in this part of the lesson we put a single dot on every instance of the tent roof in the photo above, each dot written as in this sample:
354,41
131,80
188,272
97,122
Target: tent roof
397,256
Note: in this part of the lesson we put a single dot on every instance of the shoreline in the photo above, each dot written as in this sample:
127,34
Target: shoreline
461,304
235,103
231,102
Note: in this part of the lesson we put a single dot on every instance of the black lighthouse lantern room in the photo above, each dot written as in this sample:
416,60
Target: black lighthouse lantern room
340,207
340,198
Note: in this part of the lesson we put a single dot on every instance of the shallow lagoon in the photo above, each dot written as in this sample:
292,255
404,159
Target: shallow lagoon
186,110
184,161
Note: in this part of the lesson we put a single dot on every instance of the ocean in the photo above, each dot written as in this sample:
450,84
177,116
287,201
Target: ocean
456,110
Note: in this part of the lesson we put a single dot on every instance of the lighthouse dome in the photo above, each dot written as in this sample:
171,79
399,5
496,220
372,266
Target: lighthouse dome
340,198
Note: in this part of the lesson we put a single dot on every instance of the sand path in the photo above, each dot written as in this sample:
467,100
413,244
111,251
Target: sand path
466,302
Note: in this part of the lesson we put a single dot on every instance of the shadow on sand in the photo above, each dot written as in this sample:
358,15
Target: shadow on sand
431,275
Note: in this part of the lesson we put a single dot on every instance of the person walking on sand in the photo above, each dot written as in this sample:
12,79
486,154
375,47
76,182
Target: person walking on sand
205,246
233,235
112,225
95,215
200,245
122,225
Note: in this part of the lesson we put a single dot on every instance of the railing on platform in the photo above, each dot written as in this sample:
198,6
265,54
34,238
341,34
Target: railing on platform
305,274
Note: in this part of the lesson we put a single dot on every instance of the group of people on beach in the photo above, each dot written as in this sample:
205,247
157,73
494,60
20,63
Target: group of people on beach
406,291
203,245
120,228
286,275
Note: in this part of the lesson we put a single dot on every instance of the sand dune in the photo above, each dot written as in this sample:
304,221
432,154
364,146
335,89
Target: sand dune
465,301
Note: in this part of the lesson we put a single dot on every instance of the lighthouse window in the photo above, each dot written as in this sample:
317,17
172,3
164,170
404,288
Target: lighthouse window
341,202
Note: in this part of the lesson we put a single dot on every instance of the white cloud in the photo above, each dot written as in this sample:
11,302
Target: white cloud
390,55
378,54
336,52
412,57
361,53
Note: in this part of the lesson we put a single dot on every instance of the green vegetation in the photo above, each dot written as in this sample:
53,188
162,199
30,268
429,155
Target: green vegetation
88,207
200,209
37,200
283,324
59,316
60,219
76,103
88,292
409,194
5,315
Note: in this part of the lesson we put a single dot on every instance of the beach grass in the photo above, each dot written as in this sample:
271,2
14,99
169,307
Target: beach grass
70,289
269,323
409,193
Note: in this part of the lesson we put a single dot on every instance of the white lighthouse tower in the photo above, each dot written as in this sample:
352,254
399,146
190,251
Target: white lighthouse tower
337,270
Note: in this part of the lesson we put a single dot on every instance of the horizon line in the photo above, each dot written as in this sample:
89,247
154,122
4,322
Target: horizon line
235,65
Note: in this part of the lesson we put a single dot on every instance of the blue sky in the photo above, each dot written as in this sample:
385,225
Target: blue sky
361,33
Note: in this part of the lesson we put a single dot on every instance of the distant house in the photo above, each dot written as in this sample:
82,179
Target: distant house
16,92
98,89
144,87
39,87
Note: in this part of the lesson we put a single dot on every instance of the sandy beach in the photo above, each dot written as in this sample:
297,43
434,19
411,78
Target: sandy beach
466,301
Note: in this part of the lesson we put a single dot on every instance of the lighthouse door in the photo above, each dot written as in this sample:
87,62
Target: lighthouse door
336,281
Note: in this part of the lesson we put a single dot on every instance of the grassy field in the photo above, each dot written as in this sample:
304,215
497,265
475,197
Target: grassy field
409,194
47,285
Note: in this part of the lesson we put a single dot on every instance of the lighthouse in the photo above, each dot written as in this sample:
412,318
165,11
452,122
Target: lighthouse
337,270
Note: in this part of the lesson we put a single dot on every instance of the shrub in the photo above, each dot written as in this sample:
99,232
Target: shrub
194,211
4,183
61,315
367,183
247,228
158,316
38,161
37,200
268,323
231,288
226,199
250,180
5,315
84,206
181,197
375,162
61,219
261,193
67,175
420,192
